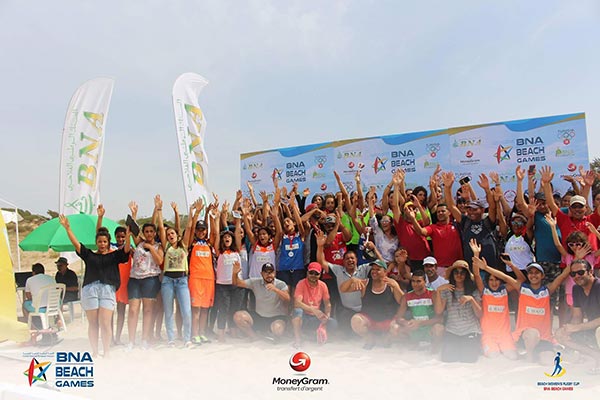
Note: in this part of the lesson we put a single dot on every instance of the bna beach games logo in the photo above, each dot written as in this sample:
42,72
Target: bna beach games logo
558,369
37,371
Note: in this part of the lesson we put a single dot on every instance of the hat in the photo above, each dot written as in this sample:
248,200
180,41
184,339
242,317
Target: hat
331,219
430,260
268,267
310,207
201,225
476,204
458,264
540,196
315,266
536,266
517,215
62,260
379,263
577,199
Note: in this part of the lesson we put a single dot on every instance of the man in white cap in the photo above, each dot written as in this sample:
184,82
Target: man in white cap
434,280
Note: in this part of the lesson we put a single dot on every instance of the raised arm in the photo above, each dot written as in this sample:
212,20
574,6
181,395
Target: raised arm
65,223
552,222
160,225
100,210
176,216
500,275
448,179
484,183
547,176
477,264
189,229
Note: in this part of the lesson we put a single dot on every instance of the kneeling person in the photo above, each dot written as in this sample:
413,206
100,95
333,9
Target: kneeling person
272,298
381,297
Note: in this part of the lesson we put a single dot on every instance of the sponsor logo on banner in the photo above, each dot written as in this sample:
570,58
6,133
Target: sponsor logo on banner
323,186
430,164
572,167
502,153
469,154
349,154
379,164
564,153
530,149
255,165
403,159
566,135
254,175
295,172
320,161
467,142
433,149
349,185
318,175
276,174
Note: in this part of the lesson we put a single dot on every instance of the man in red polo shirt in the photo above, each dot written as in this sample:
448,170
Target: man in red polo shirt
575,219
447,245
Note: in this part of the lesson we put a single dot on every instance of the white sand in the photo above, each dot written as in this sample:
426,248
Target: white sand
246,370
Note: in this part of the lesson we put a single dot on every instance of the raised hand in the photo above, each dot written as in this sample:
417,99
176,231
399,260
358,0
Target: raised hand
546,174
64,221
174,207
483,182
475,247
448,178
158,202
100,210
520,173
133,207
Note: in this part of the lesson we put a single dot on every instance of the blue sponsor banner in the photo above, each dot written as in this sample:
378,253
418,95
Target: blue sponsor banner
559,141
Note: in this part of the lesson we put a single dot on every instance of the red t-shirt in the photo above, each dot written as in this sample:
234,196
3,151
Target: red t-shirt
567,225
311,296
334,253
447,246
415,244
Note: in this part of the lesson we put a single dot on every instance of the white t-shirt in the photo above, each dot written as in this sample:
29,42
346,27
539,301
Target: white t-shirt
519,251
35,283
437,283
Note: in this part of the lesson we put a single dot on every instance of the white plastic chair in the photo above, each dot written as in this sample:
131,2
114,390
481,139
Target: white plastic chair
54,297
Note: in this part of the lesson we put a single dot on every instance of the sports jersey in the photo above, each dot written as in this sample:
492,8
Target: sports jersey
534,312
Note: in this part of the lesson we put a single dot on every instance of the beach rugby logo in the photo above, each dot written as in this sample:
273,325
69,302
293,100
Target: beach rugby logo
300,362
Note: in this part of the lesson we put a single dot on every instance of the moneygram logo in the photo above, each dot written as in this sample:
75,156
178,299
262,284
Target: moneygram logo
300,362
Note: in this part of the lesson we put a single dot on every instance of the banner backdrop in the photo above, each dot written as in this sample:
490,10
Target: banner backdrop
559,141
82,146
191,127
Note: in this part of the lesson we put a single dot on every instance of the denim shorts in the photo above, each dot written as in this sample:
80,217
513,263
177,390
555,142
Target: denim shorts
98,295
146,288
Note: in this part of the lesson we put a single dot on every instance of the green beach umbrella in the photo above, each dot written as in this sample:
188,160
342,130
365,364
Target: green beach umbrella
52,235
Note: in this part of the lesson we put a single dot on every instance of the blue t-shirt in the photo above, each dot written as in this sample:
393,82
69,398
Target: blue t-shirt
545,250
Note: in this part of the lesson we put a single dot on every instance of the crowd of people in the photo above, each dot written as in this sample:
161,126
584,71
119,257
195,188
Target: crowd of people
452,272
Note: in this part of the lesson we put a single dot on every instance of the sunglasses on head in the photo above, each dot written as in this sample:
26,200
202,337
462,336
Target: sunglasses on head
575,244
581,272
459,272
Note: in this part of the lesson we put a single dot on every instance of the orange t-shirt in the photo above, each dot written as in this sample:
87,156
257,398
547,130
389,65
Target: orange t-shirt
534,312
495,319
201,261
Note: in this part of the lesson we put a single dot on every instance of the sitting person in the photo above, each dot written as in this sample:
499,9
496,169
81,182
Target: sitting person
462,303
579,335
33,286
69,278
381,296
272,299
311,293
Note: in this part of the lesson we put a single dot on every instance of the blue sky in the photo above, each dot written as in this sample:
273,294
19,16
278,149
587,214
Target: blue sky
282,73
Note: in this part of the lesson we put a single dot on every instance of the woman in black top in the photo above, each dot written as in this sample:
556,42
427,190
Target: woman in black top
100,282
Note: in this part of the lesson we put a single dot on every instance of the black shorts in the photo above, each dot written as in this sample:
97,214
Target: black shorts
263,324
146,288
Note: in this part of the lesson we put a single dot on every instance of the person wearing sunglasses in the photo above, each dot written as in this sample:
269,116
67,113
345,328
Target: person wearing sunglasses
579,335
312,304
578,247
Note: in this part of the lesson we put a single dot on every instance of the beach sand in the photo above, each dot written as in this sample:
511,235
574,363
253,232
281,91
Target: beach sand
242,370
